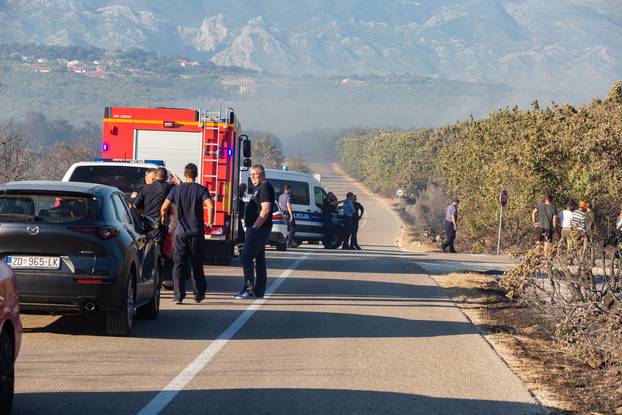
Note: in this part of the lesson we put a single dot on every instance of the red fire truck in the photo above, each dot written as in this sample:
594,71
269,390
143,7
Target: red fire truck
180,136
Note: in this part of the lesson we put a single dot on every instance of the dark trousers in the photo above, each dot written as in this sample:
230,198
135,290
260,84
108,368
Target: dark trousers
253,260
355,231
348,226
328,231
188,256
159,236
291,229
451,237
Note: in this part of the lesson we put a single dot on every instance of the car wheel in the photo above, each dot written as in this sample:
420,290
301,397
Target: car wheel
167,284
7,372
281,246
336,238
118,323
152,308
295,244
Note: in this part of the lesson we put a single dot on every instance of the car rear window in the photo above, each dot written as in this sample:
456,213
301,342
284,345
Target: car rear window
51,208
128,179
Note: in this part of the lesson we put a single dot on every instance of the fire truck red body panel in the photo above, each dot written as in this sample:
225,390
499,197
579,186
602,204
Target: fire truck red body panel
178,137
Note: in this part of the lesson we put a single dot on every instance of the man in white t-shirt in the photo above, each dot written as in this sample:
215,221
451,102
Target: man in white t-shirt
565,219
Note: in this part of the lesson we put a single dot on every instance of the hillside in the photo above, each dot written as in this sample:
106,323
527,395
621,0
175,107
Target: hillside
519,42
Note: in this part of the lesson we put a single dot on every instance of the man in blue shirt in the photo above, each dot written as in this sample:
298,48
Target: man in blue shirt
190,199
451,225
348,221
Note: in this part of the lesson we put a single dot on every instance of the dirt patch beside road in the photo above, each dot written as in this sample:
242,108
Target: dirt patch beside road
524,339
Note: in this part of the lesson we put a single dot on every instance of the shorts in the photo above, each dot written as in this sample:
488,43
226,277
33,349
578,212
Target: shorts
544,235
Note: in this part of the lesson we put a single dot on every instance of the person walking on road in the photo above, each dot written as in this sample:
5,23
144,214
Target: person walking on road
359,210
285,204
451,225
329,206
544,219
348,221
190,199
258,220
149,201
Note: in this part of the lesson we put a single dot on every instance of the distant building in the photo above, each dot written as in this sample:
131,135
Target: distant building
73,63
42,60
26,58
186,63
78,69
41,68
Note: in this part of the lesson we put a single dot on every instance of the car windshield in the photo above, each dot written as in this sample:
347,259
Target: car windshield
128,179
51,208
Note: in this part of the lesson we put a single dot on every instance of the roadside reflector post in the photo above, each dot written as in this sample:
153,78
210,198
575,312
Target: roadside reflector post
503,200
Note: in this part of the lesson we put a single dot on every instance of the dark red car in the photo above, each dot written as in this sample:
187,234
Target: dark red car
10,336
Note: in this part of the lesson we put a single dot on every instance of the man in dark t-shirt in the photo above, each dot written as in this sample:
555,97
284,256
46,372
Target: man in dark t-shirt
258,221
149,201
190,199
544,218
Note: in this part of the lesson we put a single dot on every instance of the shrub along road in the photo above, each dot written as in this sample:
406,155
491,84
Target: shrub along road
343,332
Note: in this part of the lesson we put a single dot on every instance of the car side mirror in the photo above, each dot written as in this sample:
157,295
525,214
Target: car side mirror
246,146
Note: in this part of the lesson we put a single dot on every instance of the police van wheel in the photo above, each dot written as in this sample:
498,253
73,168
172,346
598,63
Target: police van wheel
281,246
295,244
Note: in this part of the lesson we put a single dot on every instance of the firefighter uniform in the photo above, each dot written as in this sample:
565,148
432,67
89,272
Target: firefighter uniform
149,199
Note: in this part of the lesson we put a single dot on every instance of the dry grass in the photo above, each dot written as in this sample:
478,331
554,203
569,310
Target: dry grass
524,338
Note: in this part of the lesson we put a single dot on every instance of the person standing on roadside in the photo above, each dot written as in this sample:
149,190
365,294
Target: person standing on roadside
329,207
565,219
241,205
348,221
149,178
190,199
285,204
544,219
150,199
359,210
578,218
258,220
451,225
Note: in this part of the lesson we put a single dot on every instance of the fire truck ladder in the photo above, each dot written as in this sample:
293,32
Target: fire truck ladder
212,150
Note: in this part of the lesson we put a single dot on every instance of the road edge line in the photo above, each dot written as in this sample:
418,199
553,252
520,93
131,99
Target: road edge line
168,393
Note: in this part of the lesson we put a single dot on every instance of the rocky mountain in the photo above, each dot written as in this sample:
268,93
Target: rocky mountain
534,43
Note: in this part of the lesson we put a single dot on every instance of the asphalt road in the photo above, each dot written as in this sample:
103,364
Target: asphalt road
342,332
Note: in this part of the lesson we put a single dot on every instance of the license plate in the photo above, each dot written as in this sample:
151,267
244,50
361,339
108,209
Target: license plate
33,262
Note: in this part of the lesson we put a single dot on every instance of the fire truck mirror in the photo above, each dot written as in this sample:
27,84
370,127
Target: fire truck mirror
246,148
248,162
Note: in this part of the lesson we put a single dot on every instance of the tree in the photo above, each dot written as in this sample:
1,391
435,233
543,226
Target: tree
17,161
267,151
298,164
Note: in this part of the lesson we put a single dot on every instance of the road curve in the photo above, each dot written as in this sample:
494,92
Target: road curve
343,332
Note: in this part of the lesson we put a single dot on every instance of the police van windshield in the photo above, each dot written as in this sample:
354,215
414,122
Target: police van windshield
128,179
298,190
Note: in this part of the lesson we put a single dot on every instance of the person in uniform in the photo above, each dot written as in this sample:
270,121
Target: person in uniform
359,210
329,206
150,199
258,221
285,204
190,199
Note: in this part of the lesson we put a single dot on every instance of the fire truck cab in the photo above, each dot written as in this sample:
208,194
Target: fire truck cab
212,141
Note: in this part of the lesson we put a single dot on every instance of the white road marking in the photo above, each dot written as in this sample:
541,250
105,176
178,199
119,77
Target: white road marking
169,392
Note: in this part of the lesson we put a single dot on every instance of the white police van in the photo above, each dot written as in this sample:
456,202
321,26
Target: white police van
307,196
